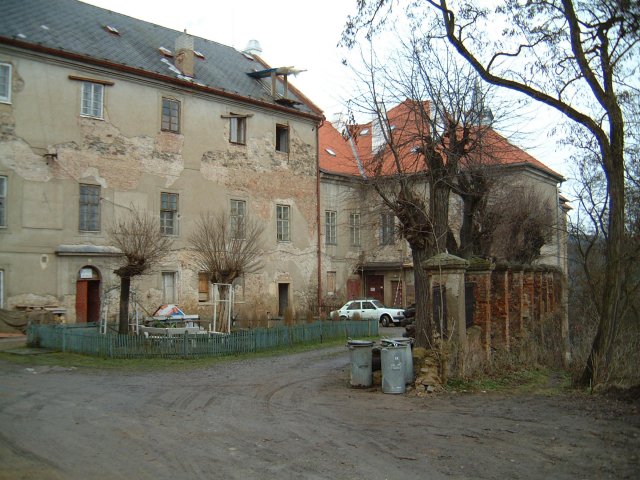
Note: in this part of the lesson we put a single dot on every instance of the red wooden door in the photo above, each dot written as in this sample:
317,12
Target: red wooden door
375,287
82,300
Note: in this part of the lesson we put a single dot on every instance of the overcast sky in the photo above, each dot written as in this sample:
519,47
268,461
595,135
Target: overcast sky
303,34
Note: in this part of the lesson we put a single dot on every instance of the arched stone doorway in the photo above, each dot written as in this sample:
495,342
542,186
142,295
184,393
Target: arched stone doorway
88,295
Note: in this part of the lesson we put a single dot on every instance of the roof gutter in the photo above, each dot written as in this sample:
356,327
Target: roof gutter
156,76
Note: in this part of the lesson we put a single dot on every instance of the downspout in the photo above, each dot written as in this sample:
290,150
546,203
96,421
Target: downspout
319,246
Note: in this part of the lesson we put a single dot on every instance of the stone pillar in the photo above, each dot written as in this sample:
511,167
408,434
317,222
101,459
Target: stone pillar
448,271
479,273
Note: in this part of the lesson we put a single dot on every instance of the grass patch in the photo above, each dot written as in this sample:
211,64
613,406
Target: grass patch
542,381
68,360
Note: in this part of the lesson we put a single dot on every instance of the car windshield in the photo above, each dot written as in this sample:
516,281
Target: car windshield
378,303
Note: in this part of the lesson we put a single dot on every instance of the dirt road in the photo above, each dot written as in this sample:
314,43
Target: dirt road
294,417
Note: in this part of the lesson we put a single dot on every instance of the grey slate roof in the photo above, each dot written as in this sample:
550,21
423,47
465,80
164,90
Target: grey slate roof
78,28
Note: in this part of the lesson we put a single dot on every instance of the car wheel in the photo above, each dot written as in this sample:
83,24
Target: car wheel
385,320
343,317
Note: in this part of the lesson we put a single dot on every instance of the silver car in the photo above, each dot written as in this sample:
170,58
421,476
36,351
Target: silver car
370,310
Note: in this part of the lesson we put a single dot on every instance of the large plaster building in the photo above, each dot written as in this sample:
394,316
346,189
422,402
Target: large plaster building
100,113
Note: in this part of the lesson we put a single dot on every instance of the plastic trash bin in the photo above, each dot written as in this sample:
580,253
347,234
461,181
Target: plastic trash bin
408,357
360,355
393,380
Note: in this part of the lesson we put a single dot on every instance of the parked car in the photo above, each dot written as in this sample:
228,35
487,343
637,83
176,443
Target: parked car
370,310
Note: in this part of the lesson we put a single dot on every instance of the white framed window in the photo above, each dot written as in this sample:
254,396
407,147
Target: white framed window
169,287
5,82
169,213
92,99
238,130
89,208
170,115
330,225
283,223
236,218
3,201
354,229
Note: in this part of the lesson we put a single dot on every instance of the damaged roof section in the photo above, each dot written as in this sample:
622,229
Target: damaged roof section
70,27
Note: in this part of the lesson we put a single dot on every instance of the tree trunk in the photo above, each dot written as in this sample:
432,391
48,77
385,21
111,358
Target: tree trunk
424,316
469,208
611,306
439,206
125,286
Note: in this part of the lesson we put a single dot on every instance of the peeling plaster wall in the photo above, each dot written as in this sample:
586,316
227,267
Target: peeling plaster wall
133,162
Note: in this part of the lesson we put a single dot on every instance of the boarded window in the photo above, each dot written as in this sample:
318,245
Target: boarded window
331,283
169,287
203,287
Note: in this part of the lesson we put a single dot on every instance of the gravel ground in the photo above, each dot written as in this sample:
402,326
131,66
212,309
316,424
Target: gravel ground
294,417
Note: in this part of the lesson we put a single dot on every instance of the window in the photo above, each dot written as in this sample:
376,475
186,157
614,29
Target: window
236,218
330,219
354,229
237,130
169,287
354,306
92,98
387,229
283,223
5,83
89,208
331,283
170,115
203,287
3,201
1,288
169,213
282,138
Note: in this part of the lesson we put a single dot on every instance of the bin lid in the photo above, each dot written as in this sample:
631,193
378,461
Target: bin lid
395,341
359,343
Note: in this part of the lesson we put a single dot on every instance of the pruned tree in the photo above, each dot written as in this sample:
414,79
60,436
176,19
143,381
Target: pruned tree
226,247
137,234
577,57
521,222
435,141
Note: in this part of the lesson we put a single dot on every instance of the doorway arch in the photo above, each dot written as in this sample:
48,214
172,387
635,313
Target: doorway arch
88,295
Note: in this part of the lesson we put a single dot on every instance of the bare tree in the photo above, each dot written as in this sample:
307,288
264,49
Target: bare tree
578,57
226,248
430,145
137,234
521,222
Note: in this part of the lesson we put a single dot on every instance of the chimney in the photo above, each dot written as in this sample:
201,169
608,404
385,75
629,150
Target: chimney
185,58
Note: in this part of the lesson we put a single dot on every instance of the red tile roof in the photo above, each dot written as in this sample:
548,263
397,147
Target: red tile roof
406,123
